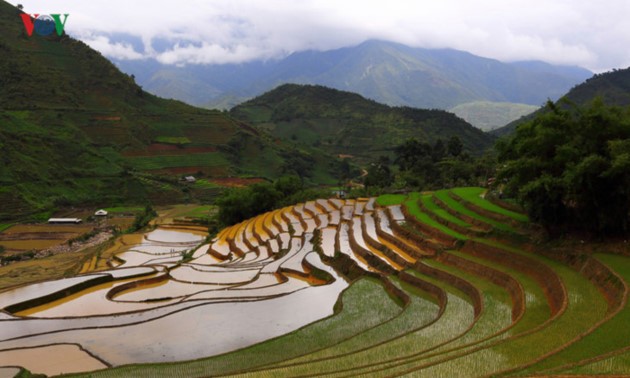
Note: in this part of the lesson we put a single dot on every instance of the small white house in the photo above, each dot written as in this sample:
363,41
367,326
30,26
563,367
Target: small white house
101,213
191,179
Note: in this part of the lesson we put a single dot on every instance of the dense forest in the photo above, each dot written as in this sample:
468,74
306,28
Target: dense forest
570,168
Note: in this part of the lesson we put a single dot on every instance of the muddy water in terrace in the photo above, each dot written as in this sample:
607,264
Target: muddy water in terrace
51,360
159,329
184,334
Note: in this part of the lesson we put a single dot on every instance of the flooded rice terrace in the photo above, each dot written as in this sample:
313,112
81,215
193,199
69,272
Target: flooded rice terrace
250,284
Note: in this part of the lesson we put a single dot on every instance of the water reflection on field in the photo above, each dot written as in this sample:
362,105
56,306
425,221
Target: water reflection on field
248,285
51,360
170,294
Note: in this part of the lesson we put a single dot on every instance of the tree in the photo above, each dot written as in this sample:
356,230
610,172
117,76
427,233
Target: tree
288,185
142,219
570,168
298,163
410,153
455,146
422,166
236,205
379,174
439,151
344,169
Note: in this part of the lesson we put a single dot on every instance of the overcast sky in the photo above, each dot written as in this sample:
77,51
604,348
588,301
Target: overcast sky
591,34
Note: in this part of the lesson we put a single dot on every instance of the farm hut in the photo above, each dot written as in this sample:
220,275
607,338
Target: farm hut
65,220
101,213
190,179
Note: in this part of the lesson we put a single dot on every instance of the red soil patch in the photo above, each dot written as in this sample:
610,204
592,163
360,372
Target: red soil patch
236,182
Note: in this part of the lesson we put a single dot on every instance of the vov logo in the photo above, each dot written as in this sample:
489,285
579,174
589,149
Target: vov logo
44,24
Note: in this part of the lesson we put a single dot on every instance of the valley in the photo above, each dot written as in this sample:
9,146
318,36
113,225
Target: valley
237,196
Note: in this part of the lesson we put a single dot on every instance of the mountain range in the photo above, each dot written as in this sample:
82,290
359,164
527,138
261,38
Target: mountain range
387,72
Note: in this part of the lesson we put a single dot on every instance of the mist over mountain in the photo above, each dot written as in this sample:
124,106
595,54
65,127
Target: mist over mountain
387,72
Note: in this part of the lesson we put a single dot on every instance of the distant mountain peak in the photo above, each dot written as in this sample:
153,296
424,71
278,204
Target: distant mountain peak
388,72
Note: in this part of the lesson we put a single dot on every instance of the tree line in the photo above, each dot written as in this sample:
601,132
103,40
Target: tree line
570,168
421,166
238,204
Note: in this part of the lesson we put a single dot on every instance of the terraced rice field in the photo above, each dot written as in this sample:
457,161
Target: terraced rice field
434,284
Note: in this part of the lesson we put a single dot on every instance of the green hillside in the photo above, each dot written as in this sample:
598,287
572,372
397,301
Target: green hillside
613,87
75,130
343,123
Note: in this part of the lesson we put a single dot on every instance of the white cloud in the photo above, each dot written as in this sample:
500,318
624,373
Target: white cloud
580,32
115,50
207,54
